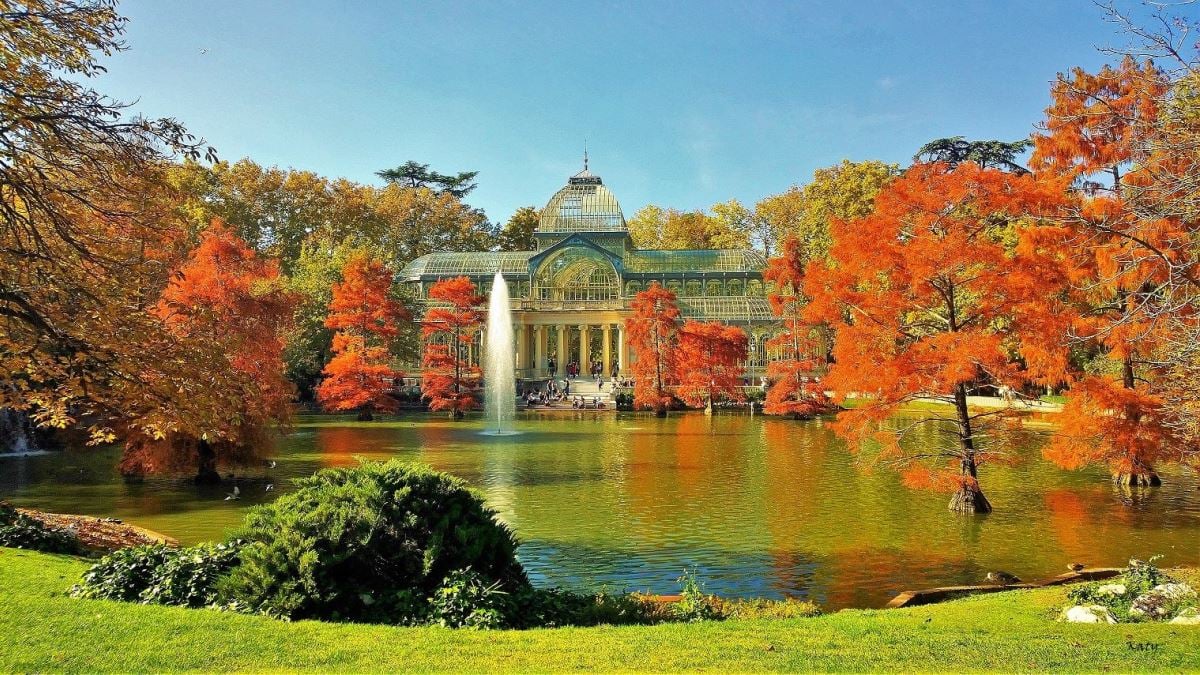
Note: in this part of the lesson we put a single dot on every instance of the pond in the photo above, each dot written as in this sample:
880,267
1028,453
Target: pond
758,506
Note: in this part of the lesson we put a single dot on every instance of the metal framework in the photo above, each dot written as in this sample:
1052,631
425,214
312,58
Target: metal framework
576,273
583,205
587,262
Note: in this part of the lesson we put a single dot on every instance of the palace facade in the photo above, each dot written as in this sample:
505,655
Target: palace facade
571,295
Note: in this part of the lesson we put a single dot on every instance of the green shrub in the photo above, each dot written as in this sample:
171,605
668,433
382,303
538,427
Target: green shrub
159,574
554,607
369,543
18,530
694,604
467,600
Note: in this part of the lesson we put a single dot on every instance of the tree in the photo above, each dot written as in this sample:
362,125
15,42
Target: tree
927,299
230,306
1132,263
715,355
416,175
653,227
449,381
797,346
517,233
653,331
309,346
956,150
83,235
844,191
365,315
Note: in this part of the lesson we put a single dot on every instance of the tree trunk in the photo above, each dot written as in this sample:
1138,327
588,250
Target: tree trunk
1140,478
456,414
206,464
365,415
970,499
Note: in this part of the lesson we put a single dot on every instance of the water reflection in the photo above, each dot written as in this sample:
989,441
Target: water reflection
760,506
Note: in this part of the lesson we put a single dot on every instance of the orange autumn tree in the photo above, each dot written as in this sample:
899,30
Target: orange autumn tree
653,331
449,381
229,309
1132,263
926,297
715,355
366,316
797,344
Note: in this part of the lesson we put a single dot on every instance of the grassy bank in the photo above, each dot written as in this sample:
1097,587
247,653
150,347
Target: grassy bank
45,631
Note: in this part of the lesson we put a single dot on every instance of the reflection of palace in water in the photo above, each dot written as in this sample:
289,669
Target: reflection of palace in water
571,295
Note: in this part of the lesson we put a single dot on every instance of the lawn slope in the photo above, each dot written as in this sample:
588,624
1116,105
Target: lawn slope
45,631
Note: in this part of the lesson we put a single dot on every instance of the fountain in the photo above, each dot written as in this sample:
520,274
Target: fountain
499,369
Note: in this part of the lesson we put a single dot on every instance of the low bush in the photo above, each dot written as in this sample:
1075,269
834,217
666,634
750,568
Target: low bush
18,530
369,543
1143,592
762,608
159,574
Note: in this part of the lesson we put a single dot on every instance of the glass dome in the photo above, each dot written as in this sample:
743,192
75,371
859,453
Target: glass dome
583,205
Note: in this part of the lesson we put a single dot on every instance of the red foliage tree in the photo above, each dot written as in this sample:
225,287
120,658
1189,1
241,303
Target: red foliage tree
798,346
1130,260
654,335
715,355
230,309
927,297
449,381
365,316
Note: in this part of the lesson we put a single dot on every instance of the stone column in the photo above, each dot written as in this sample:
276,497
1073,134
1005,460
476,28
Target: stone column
585,350
622,351
606,349
562,349
539,350
519,338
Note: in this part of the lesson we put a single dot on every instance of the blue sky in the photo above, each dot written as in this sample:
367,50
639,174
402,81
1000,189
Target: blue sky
682,104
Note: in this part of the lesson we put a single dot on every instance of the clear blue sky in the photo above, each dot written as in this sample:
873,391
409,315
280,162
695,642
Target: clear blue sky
682,104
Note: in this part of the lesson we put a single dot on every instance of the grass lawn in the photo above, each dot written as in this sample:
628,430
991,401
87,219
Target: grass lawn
45,631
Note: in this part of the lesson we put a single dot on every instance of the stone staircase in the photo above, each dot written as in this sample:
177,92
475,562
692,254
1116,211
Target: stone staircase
587,388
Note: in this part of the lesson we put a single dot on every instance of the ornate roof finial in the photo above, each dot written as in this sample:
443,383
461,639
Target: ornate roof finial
585,154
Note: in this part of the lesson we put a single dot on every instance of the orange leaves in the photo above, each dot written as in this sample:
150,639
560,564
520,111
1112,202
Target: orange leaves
713,354
362,302
449,382
653,333
1105,422
1094,120
792,390
362,309
930,297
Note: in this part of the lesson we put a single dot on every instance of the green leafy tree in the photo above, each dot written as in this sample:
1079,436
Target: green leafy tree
956,150
517,233
416,175
845,191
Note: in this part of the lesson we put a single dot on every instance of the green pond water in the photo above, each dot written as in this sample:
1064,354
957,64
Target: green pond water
758,506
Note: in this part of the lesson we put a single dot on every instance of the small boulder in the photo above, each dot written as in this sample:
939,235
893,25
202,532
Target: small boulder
1088,614
1189,616
1157,603
1115,590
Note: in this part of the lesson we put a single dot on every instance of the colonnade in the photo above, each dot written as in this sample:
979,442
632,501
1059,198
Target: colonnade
538,344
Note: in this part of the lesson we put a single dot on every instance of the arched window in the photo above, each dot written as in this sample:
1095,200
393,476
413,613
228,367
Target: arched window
692,288
576,273
733,287
754,287
713,288
675,286
633,288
